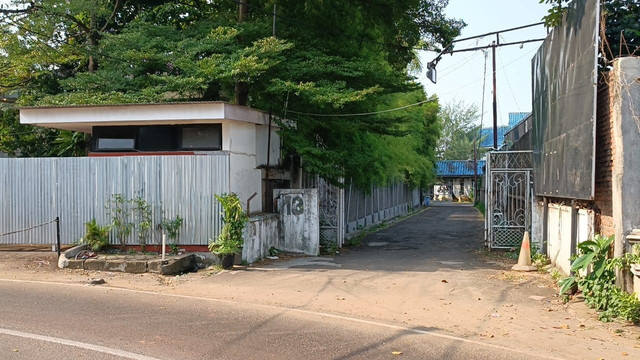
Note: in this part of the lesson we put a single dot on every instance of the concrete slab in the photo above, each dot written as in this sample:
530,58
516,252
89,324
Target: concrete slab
75,264
134,266
94,264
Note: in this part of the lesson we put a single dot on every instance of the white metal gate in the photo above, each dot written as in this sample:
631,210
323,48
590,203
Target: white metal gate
508,207
330,210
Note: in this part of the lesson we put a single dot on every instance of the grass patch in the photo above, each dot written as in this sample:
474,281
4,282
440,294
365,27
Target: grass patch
480,207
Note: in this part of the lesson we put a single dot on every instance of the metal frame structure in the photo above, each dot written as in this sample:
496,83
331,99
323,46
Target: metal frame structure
509,192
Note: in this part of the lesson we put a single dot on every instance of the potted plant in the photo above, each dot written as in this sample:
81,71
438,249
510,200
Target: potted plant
231,238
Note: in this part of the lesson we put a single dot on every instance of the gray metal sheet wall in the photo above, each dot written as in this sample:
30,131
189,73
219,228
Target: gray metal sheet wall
564,105
36,190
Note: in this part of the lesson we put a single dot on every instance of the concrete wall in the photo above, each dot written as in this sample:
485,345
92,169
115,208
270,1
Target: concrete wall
443,192
626,156
537,211
247,144
559,233
299,220
244,179
262,138
262,233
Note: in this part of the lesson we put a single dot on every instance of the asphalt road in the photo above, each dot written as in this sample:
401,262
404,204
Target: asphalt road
415,290
45,321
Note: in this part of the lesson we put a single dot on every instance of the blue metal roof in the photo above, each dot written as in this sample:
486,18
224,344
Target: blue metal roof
487,136
516,117
455,168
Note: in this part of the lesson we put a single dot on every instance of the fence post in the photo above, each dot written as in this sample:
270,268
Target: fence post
58,235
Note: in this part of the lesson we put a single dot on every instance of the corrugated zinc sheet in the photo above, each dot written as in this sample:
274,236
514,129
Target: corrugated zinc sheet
486,136
516,117
458,168
36,190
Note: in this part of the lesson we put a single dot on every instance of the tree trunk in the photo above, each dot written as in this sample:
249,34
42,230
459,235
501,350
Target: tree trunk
93,42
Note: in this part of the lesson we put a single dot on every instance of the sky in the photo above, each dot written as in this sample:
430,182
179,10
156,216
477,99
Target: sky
460,76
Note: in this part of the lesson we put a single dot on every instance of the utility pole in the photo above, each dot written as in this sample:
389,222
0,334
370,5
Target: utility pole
495,98
431,74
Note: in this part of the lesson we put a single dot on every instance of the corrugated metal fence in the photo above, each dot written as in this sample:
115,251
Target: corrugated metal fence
364,209
36,190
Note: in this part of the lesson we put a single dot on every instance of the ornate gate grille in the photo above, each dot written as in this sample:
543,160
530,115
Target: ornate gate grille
508,184
331,211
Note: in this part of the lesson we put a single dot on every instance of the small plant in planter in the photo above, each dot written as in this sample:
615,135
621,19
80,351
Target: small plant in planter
96,236
142,210
119,208
230,241
172,229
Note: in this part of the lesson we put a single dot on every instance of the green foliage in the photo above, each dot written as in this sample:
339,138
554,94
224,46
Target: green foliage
595,277
459,132
119,210
621,25
96,236
172,227
142,212
88,52
175,249
231,237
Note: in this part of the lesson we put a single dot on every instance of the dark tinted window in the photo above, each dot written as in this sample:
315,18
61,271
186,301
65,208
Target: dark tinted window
202,137
157,138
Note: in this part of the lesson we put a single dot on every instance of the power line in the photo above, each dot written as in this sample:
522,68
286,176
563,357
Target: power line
410,105
364,113
508,83
480,78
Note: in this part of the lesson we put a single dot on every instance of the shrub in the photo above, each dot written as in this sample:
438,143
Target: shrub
96,236
172,228
119,210
231,237
142,210
598,285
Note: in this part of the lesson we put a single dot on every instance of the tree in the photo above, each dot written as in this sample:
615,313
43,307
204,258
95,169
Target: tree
459,132
621,25
328,57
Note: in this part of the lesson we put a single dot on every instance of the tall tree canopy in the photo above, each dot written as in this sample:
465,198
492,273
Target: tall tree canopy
327,57
621,26
459,132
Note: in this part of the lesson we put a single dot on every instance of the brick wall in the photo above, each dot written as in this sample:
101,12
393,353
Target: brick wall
604,162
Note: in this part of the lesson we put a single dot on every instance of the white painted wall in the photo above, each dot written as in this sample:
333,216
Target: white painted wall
443,193
262,233
81,118
537,213
559,233
262,139
245,179
299,220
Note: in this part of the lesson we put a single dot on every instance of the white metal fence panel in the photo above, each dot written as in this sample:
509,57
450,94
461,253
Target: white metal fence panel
36,190
380,203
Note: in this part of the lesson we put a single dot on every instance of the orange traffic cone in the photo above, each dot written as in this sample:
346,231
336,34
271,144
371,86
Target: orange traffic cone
524,260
